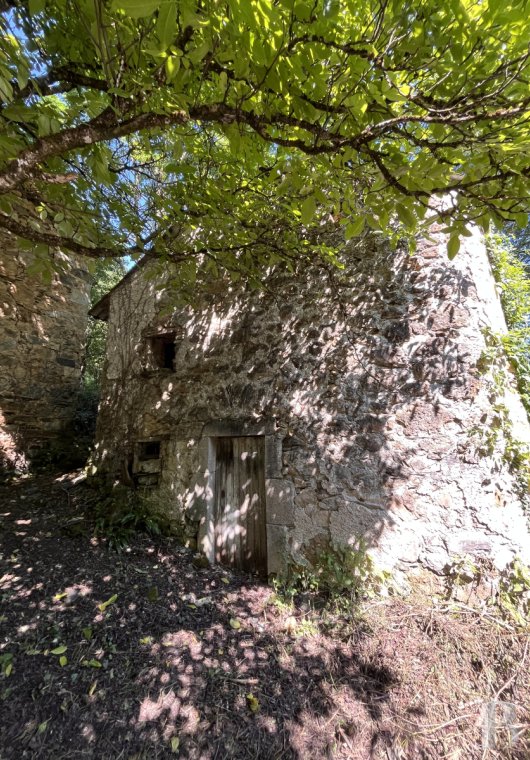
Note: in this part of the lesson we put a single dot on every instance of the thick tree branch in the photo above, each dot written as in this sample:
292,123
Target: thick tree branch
57,241
56,179
109,126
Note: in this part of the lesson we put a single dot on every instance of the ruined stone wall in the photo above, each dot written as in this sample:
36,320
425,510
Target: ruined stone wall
365,382
42,335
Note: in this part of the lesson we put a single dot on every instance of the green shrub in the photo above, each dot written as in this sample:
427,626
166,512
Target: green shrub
125,513
511,275
513,597
340,574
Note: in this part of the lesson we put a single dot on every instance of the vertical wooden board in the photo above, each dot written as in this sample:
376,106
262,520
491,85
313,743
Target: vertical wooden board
246,453
230,516
252,499
256,523
223,498
240,529
240,498
218,500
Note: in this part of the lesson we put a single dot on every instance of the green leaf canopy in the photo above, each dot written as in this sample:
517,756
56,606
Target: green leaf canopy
224,134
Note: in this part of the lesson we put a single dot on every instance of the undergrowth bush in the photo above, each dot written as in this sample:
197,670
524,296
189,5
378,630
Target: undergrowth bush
341,575
67,453
86,412
513,596
510,591
124,513
511,275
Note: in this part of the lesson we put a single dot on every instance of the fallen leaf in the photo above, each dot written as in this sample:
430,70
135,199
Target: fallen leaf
146,640
87,633
91,664
175,743
252,702
59,650
103,606
58,597
63,661
235,624
43,726
92,689
225,580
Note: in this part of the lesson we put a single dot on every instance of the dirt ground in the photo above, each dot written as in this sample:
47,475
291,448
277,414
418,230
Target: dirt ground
141,655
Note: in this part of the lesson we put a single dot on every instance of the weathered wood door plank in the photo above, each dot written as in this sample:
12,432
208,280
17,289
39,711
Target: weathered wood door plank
240,530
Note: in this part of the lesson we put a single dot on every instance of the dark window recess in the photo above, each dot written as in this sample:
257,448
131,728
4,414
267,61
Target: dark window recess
148,450
65,361
163,351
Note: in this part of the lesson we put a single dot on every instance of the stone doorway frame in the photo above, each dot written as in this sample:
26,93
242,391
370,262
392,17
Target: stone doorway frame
279,493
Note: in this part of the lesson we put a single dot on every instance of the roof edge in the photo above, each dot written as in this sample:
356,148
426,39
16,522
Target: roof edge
100,310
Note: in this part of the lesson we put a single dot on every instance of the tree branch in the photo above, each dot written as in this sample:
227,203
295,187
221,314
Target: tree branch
61,79
57,241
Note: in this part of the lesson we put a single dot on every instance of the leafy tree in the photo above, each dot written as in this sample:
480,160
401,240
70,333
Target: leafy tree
214,132
520,241
509,258
107,273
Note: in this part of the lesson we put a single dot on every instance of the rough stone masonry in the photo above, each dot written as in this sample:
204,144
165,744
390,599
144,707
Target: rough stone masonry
367,385
42,337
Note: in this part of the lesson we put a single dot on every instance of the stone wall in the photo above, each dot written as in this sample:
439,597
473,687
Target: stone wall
365,382
42,335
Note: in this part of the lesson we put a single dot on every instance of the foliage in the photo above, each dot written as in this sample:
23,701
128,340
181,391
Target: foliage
512,277
342,574
513,596
519,238
6,664
462,571
214,134
508,262
494,436
505,358
86,410
106,274
124,513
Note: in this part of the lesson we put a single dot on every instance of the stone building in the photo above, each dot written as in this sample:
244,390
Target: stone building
42,336
333,404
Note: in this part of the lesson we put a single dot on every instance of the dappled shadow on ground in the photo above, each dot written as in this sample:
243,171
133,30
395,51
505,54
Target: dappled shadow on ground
196,663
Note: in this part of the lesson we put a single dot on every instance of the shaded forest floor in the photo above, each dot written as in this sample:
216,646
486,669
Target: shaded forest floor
203,663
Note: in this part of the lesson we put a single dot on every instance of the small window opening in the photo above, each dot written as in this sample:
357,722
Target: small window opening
148,450
163,351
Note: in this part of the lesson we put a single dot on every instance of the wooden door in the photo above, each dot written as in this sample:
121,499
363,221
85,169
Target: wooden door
239,503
